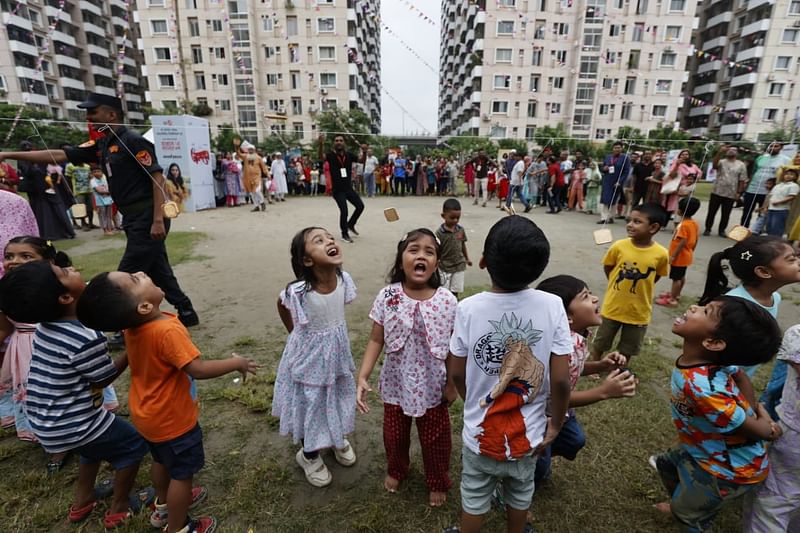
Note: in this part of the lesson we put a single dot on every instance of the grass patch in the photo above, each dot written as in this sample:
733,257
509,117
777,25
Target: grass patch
703,191
180,247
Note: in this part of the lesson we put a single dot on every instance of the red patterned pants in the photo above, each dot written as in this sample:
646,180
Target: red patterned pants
434,438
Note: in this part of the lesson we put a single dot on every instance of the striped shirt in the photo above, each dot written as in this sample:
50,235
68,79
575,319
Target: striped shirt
63,405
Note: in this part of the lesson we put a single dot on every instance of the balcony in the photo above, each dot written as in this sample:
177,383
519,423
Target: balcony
125,78
133,97
755,4
744,79
477,71
119,3
117,21
733,129
16,20
101,71
93,28
755,52
756,27
135,115
24,48
85,5
97,50
706,88
476,97
129,61
51,12
108,91
72,83
700,111
351,14
710,66
717,42
724,17
27,72
68,61
741,103
34,98
698,132
62,37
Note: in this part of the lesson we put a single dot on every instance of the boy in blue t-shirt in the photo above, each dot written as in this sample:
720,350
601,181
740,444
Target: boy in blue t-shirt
69,368
721,429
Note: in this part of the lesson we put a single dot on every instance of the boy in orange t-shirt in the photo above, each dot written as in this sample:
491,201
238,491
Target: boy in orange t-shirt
681,250
164,363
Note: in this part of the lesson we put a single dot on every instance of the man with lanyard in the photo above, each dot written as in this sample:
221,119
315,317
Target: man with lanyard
341,165
481,164
729,185
766,167
616,167
137,185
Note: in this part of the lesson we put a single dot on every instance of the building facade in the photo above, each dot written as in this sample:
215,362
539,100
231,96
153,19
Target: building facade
262,66
745,69
56,51
511,66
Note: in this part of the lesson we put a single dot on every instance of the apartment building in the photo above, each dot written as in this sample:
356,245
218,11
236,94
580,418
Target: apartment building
262,66
745,68
511,66
55,52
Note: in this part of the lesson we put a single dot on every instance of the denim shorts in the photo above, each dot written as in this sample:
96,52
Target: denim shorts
480,475
120,444
182,456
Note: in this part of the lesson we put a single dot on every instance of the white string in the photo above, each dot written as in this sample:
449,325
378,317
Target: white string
108,127
758,185
612,206
52,157
706,151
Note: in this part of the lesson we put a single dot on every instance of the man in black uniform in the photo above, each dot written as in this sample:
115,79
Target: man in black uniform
136,183
341,164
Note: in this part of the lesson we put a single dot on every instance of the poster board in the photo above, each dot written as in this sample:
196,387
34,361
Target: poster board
185,141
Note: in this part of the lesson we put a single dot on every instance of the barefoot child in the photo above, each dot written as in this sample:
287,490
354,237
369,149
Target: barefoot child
452,237
315,393
583,312
163,398
412,322
681,250
69,368
509,350
721,429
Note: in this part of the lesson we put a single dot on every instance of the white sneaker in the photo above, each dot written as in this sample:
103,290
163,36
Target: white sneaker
346,456
315,470
652,462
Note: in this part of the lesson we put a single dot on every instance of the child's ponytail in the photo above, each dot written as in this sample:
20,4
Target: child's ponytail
716,280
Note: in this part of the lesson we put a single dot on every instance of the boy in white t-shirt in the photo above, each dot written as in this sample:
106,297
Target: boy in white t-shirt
780,200
509,350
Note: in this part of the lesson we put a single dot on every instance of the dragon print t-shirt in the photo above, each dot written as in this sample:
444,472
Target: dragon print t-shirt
631,284
507,339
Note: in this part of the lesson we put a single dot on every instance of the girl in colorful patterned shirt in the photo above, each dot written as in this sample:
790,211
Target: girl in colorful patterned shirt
413,319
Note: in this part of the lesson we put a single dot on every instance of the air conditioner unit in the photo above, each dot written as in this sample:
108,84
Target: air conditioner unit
485,117
282,110
312,109
323,91
771,77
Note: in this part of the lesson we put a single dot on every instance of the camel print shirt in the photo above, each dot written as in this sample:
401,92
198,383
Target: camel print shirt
508,339
632,281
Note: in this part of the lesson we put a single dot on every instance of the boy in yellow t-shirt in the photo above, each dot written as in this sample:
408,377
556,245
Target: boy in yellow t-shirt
632,266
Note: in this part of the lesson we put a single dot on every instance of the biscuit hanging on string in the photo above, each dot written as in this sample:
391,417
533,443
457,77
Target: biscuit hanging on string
602,236
390,214
738,233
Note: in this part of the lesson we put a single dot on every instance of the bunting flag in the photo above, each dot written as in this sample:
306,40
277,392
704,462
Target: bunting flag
121,52
420,14
409,49
697,102
424,129
173,36
712,57
238,58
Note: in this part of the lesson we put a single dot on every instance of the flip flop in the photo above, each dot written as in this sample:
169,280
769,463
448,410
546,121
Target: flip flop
78,515
115,520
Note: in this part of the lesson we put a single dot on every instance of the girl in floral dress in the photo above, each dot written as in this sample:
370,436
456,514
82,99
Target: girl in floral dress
315,393
413,319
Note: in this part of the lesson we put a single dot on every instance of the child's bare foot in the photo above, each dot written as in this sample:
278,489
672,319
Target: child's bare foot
390,483
437,499
663,507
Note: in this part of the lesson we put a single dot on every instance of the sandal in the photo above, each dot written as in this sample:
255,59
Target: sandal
78,515
666,301
115,520
142,499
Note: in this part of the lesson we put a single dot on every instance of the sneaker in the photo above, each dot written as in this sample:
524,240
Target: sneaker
204,524
188,316
706,233
160,515
346,237
652,462
528,209
315,470
346,456
353,230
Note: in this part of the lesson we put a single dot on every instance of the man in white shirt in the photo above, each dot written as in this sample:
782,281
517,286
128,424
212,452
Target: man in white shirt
515,184
766,167
278,171
370,164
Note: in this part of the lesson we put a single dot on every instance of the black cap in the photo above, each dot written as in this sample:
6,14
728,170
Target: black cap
97,99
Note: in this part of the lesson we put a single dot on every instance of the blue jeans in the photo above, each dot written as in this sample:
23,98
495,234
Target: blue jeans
554,198
771,396
369,183
518,190
568,443
776,222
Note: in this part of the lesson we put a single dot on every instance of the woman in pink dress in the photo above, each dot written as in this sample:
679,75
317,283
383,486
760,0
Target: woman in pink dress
469,177
688,172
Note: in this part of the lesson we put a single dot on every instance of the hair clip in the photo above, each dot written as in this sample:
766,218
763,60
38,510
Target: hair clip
50,244
404,237
746,255
438,242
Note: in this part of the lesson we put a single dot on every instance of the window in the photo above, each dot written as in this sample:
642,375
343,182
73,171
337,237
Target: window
327,79
604,109
783,62
158,27
615,30
536,58
638,32
498,132
197,54
244,90
275,104
659,111
794,7
155,3
602,133
502,55
558,83
297,106
297,129
585,94
291,26
663,86
560,28
162,53
532,108
166,80
294,77
327,53
676,6
612,57
199,81
593,38
669,59
534,83
191,4
267,24
588,69
169,104
582,120
326,25
500,106
222,79
219,52
672,33
329,103
555,108
216,25
789,35
194,27
505,27
530,132
272,79
776,89
625,113
502,81
540,30
769,115
630,85
507,3
241,34
633,59
561,56
52,92
247,117
224,105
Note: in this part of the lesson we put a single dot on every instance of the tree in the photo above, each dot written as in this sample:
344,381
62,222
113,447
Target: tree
513,144
465,145
38,127
353,124
223,142
278,142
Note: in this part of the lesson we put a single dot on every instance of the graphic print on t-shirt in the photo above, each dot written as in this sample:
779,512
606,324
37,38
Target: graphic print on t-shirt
506,352
632,274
